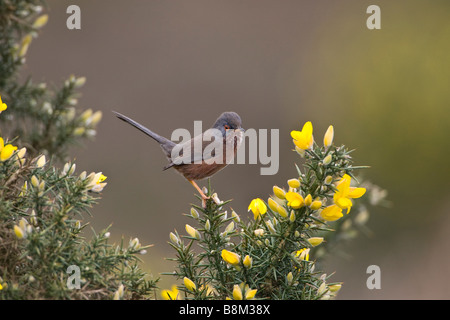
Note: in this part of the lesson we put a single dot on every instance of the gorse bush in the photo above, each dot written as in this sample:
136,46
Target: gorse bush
46,251
223,256
43,205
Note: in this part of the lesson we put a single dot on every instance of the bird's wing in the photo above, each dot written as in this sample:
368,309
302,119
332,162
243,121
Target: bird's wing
200,148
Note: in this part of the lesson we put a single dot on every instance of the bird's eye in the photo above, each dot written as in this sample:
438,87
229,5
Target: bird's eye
226,127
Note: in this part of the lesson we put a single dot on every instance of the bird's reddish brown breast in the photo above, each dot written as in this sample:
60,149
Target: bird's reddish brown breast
193,171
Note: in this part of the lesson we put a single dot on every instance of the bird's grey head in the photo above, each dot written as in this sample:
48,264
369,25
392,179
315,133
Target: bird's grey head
228,120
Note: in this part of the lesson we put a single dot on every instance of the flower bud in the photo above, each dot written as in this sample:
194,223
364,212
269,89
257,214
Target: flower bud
327,160
315,241
237,292
328,138
259,232
279,193
134,244
248,261
294,183
316,205
207,225
308,200
194,213
282,211
173,237
292,216
34,181
235,216
19,232
272,204
40,21
189,284
289,278
230,257
192,232
229,228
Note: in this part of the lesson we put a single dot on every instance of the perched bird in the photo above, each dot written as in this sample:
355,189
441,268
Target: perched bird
203,155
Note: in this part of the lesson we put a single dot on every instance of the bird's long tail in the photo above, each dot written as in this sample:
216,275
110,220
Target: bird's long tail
166,144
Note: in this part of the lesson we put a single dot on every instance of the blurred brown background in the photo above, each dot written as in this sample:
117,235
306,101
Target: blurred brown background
278,64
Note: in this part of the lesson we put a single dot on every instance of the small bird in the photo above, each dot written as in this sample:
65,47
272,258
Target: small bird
192,162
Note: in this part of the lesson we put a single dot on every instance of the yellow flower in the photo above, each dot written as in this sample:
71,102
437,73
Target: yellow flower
331,213
303,254
328,138
294,199
3,106
6,151
344,193
230,257
243,292
304,139
258,207
170,294
189,284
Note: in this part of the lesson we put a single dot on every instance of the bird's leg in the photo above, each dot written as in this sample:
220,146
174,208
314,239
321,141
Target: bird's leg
204,197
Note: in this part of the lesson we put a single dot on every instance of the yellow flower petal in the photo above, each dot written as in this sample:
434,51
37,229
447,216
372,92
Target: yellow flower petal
170,294
303,139
258,207
250,294
303,254
230,257
3,106
331,213
344,203
7,151
356,192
